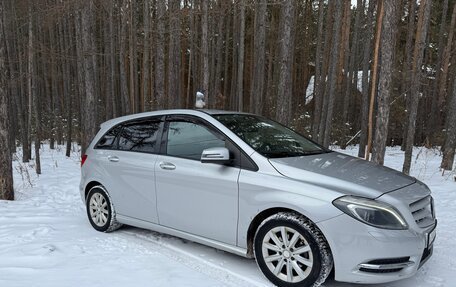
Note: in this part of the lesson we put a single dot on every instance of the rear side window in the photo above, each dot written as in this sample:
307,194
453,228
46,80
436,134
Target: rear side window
108,141
188,140
140,136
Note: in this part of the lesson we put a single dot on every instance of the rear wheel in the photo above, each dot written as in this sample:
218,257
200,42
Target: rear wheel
100,210
291,251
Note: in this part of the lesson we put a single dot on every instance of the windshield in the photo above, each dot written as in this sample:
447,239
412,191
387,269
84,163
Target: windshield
269,138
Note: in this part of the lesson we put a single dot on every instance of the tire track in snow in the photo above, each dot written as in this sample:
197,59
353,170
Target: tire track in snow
195,262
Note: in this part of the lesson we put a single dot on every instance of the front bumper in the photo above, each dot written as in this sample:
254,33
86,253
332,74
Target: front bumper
365,254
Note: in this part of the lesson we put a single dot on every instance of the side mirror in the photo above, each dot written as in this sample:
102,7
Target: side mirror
215,155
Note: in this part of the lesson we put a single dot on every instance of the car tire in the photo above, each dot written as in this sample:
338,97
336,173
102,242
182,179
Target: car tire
303,259
100,210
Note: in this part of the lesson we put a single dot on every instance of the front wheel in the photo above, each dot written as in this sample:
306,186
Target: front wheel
291,251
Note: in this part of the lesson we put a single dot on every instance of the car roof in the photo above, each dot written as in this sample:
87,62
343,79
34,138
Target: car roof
198,112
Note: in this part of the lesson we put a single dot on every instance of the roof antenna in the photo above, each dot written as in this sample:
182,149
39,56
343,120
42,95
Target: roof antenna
200,103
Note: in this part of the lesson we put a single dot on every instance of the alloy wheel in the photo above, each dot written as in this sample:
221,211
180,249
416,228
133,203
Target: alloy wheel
98,209
287,254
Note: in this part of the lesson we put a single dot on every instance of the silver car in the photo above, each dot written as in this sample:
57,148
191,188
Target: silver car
248,185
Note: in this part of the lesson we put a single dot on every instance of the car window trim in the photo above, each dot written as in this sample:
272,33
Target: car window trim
211,127
161,119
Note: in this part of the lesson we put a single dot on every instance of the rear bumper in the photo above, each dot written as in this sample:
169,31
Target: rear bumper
364,254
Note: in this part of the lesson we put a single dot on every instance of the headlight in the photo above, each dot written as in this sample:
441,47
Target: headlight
371,212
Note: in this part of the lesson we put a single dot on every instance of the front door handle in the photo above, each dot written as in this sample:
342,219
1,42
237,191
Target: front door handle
167,165
113,158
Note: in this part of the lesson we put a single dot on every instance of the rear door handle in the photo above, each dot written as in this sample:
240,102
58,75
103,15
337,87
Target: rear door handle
113,158
167,165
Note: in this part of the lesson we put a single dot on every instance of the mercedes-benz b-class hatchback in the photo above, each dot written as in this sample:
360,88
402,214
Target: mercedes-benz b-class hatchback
248,185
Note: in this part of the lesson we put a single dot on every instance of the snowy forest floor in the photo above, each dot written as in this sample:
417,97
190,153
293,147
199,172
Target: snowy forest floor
46,239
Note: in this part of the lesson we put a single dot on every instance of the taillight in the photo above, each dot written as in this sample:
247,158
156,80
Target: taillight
83,159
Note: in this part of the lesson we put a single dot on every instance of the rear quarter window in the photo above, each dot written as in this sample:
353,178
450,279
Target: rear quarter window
109,139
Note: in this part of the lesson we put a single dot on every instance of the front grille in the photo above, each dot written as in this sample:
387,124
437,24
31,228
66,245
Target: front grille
422,211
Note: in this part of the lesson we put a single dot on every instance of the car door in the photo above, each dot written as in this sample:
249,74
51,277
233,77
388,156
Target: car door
131,167
194,197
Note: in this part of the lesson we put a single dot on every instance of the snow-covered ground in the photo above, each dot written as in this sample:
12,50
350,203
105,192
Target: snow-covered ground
46,240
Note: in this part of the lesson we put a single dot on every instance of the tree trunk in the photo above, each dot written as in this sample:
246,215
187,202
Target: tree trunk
318,73
331,90
235,54
33,95
388,39
365,80
407,68
432,121
189,100
69,139
174,89
418,51
205,56
125,99
284,93
218,87
145,98
30,55
259,57
344,64
134,103
11,56
450,136
90,100
226,70
324,81
160,56
113,64
240,65
352,80
443,85
6,171
374,79
37,132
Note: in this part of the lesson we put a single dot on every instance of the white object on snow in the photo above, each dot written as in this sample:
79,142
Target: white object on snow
200,103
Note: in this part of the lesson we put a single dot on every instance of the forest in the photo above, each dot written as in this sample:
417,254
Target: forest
374,73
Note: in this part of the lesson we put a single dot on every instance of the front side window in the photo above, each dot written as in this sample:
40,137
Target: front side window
267,137
140,136
188,139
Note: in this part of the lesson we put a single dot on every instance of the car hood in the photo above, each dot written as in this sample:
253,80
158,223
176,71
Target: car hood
346,174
